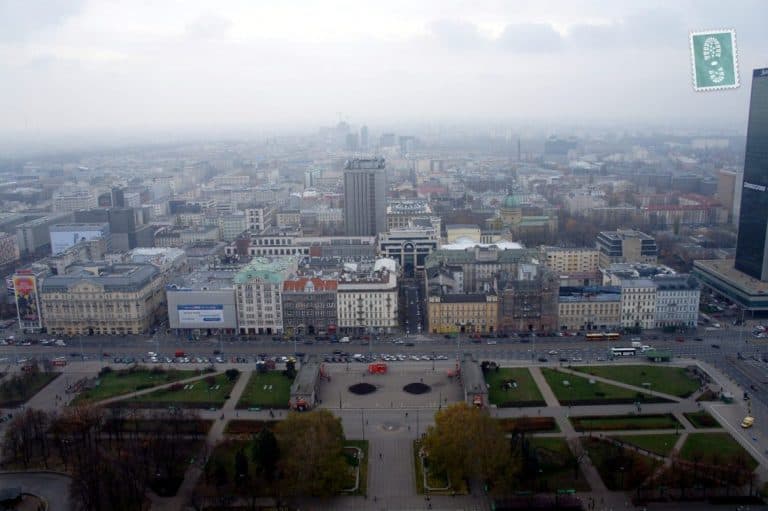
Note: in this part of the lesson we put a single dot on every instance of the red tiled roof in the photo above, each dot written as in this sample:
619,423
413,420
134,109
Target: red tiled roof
298,285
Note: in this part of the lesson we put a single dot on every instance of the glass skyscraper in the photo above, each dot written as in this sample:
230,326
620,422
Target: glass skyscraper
751,247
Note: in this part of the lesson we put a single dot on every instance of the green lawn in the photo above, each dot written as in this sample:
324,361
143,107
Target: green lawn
715,449
266,390
660,444
198,393
363,488
702,419
20,388
125,381
669,380
624,422
525,393
580,391
559,469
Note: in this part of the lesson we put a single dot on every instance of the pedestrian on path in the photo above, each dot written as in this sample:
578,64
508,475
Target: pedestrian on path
380,456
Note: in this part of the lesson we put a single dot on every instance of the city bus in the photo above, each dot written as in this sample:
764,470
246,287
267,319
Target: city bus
603,336
623,352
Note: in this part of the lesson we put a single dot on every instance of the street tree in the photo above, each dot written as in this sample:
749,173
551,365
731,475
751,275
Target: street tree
467,443
312,460
265,453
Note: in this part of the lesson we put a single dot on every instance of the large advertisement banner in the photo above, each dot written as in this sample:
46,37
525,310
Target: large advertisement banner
27,303
200,314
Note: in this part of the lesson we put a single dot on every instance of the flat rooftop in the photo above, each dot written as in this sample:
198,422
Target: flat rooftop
725,270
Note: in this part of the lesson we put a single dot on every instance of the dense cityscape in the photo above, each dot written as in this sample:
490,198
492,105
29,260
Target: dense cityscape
382,314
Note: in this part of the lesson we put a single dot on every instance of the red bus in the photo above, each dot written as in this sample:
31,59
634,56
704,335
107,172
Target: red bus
603,336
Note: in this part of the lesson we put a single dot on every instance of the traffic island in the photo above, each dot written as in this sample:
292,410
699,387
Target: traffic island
417,388
362,389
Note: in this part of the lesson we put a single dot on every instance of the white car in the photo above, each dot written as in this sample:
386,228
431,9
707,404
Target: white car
553,352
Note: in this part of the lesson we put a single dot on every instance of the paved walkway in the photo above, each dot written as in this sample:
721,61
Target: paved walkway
546,391
52,486
215,435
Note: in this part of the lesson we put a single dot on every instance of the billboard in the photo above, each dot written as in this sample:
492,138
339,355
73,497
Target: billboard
27,303
210,314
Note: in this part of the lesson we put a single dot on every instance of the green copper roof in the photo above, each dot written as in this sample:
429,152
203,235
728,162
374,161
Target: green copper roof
267,270
511,202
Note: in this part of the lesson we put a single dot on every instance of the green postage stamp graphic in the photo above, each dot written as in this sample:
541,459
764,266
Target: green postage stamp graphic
714,60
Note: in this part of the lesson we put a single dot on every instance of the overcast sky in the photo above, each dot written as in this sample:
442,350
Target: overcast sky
91,65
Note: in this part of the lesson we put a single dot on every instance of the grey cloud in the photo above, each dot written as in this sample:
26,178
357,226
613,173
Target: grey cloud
459,35
530,37
659,28
209,26
22,19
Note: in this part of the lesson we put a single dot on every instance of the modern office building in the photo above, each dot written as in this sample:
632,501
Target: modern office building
34,236
365,197
410,247
73,200
64,236
752,243
746,280
626,246
202,303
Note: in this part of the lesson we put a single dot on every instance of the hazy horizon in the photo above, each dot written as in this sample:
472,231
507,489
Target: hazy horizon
124,69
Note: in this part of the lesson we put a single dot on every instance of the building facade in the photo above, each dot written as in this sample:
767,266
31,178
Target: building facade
365,197
638,303
309,306
259,218
569,261
9,249
367,299
258,293
529,300
462,313
677,300
589,308
102,300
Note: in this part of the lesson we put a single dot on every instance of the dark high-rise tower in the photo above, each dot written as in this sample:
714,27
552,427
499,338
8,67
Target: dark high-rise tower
752,244
365,197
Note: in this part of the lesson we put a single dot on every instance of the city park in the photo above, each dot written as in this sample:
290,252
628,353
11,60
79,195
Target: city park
449,434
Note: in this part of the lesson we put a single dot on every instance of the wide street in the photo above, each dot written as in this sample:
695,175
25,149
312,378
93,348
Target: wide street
733,350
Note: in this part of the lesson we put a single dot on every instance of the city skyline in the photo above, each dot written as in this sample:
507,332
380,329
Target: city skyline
121,69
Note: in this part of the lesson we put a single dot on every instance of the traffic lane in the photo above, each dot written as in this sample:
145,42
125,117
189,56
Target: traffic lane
11,353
